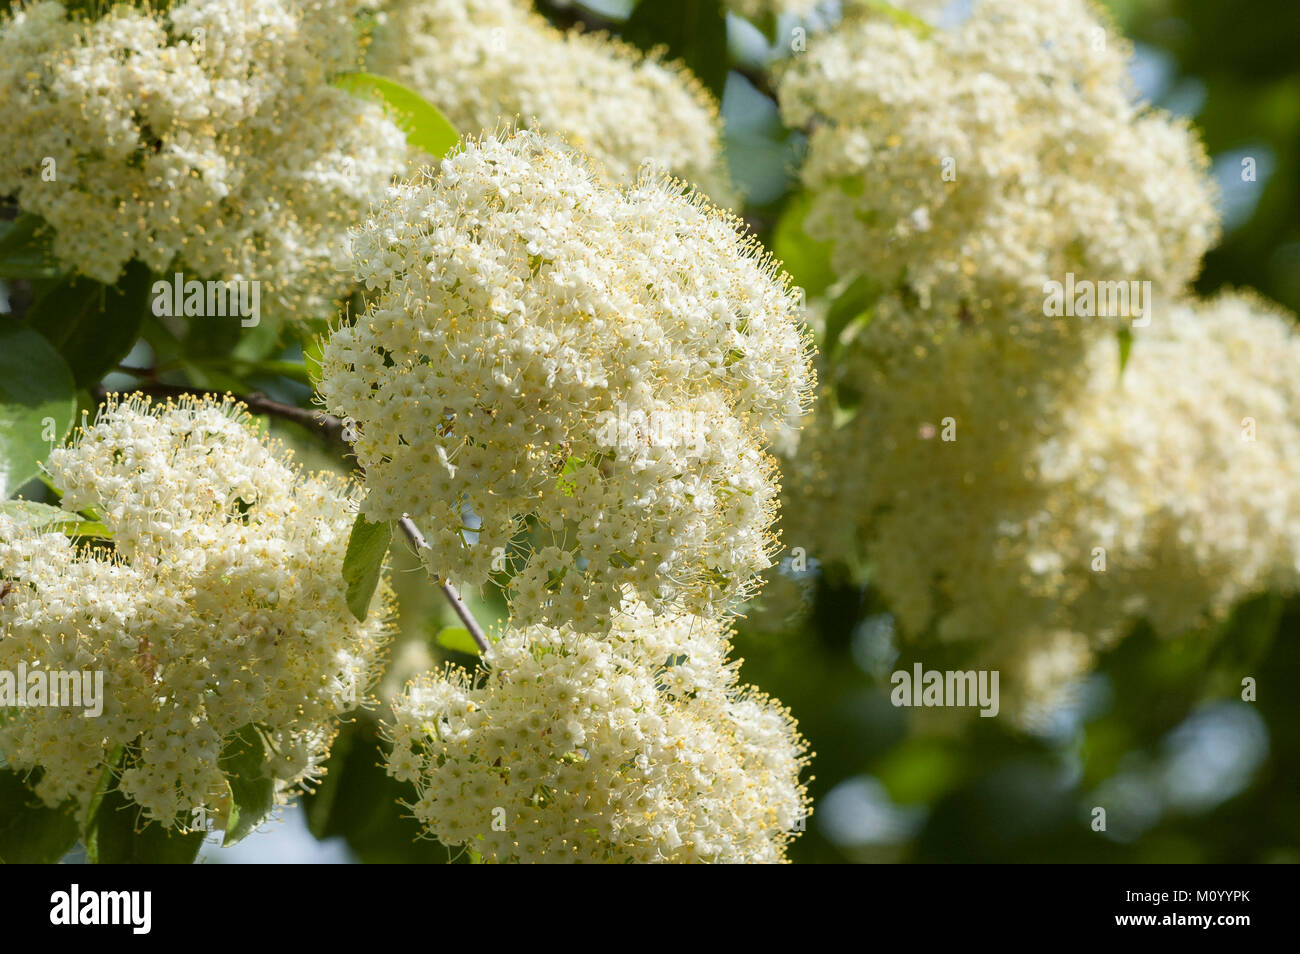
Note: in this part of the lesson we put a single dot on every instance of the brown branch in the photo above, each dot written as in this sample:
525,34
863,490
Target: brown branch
475,630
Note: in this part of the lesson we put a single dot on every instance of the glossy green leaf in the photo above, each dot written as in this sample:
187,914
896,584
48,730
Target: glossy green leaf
24,249
852,304
694,31
30,831
424,124
807,261
93,326
900,17
118,833
42,516
358,801
243,760
364,561
457,638
37,401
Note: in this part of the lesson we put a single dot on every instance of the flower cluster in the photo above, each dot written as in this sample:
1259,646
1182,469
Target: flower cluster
489,62
1019,491
637,747
570,383
973,164
1060,513
204,137
215,603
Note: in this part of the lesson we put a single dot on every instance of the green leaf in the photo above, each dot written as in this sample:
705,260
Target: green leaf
424,124
694,31
118,834
24,249
38,399
900,17
243,759
457,638
105,782
851,305
768,23
1125,347
41,516
206,338
807,261
364,561
92,325
29,513
358,801
30,831
562,483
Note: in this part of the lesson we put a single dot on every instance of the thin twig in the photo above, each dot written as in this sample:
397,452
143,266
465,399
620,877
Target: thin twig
417,540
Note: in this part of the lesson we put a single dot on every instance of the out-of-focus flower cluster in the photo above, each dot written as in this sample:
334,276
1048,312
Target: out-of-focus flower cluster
215,604
488,63
1030,481
1058,516
973,164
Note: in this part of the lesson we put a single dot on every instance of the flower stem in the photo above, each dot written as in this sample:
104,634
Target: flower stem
475,630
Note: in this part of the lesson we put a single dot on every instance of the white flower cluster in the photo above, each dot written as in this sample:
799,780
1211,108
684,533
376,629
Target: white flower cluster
569,382
1196,504
1061,513
984,464
204,137
217,604
489,62
638,747
973,164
